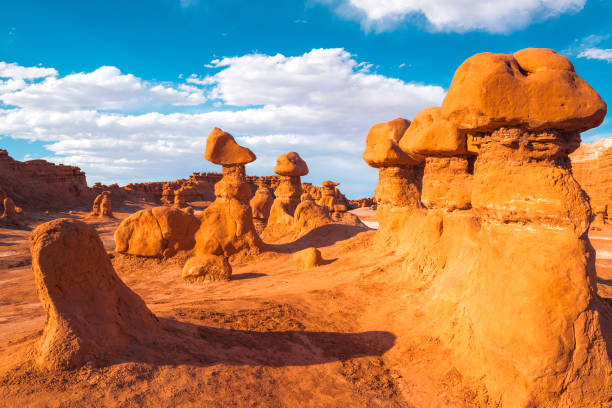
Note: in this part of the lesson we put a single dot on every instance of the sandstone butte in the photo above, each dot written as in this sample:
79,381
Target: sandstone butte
528,323
482,294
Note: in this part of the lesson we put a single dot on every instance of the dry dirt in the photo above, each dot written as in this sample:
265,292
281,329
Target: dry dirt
274,336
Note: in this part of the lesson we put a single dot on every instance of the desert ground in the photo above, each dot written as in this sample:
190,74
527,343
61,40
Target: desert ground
274,335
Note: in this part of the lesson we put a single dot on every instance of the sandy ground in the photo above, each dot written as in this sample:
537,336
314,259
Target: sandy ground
274,336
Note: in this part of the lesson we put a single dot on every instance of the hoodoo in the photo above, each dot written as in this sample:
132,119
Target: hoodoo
528,324
400,176
102,206
227,224
91,315
290,167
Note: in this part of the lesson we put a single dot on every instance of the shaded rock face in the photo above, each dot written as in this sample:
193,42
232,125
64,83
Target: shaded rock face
159,232
509,283
227,224
91,315
40,184
287,197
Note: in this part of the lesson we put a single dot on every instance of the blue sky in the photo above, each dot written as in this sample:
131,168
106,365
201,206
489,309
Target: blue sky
128,91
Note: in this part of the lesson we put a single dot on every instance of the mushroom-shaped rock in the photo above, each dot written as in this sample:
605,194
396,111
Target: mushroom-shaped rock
207,267
431,134
221,148
91,315
535,89
290,164
308,258
382,149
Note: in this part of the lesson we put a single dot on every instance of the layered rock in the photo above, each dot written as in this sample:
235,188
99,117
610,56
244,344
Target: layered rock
398,193
290,167
159,232
511,284
40,184
227,224
91,315
447,176
592,168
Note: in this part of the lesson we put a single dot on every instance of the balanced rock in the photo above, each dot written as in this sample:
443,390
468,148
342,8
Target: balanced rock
157,232
308,258
207,267
221,148
227,224
91,315
290,167
534,89
431,134
382,149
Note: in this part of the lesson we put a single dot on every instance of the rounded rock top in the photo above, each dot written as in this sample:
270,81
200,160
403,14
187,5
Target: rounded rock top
431,134
221,148
290,164
329,183
535,88
382,149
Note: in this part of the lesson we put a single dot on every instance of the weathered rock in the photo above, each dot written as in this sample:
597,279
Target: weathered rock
157,232
592,168
102,205
447,183
221,148
262,202
308,216
291,165
382,149
207,267
91,315
11,213
308,258
535,89
431,134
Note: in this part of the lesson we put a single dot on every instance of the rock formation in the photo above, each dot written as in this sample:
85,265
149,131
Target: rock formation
40,184
91,315
290,167
447,177
261,203
207,267
308,258
510,283
11,213
158,232
102,206
309,215
592,168
227,224
330,197
398,193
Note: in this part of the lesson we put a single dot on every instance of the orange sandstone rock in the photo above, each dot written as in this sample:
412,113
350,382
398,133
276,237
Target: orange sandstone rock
207,267
535,89
382,149
102,206
290,164
221,148
447,183
262,202
157,232
12,213
308,258
91,315
308,216
431,134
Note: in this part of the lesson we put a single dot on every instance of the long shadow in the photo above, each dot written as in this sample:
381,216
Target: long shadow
247,275
325,235
604,281
191,344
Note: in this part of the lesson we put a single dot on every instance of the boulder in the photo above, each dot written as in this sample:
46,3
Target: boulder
157,232
91,315
207,267
290,164
431,134
221,148
308,258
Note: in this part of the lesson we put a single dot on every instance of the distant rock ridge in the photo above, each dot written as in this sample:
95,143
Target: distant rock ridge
592,168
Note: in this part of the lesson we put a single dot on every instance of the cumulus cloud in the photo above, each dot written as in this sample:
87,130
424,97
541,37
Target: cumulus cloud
604,54
320,104
494,16
588,47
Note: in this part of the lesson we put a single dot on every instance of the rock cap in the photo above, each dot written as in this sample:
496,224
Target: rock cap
221,148
382,149
290,164
431,134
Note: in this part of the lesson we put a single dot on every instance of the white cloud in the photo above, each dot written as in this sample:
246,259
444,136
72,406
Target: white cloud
15,71
597,53
105,88
494,16
320,104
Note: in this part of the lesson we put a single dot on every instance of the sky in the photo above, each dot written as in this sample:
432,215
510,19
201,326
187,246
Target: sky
129,90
